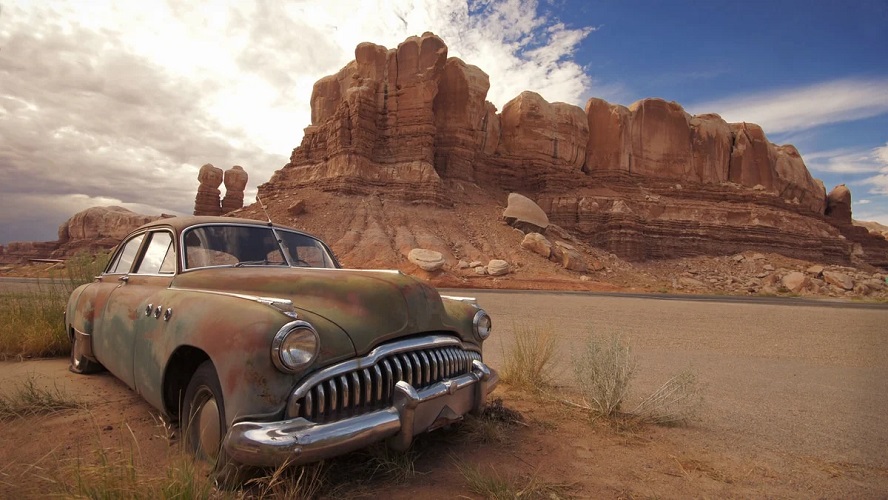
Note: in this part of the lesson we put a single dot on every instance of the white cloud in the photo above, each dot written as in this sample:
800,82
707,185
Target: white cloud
848,161
793,109
864,202
124,100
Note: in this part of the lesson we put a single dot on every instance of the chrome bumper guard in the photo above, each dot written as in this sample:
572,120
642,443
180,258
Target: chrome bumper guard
299,441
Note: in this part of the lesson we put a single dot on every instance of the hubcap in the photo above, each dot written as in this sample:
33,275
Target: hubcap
208,428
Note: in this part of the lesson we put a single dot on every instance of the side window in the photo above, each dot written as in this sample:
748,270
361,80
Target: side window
160,255
125,258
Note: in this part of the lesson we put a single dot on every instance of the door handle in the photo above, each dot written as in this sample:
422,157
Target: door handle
123,278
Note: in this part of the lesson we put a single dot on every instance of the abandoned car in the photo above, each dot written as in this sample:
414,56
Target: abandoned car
266,351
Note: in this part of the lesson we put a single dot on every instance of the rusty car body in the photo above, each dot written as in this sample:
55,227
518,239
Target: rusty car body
266,351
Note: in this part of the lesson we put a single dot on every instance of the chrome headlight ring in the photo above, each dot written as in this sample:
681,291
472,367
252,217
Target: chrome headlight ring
482,324
295,346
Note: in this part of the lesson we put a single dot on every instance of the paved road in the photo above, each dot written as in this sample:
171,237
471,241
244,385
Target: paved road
804,377
780,377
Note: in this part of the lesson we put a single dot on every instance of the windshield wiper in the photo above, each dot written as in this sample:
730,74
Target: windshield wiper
264,262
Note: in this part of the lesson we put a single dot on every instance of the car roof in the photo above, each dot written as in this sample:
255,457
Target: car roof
181,223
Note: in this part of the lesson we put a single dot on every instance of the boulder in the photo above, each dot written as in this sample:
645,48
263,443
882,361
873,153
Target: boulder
838,279
573,260
795,282
537,243
816,270
297,208
427,260
523,213
497,267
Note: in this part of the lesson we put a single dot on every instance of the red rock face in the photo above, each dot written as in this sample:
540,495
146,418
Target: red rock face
647,181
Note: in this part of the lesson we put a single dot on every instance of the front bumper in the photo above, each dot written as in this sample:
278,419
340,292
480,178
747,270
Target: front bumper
299,441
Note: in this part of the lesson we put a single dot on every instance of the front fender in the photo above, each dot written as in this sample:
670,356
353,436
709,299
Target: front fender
236,334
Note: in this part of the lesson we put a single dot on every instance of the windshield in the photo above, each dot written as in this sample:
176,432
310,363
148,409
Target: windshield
235,245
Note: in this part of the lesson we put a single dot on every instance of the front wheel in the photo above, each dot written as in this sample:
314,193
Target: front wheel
204,411
204,425
80,364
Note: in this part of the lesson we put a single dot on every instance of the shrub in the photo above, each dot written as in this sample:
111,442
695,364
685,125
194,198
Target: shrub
603,370
528,362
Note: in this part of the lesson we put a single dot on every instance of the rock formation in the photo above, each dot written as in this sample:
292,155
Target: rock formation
235,179
207,201
91,230
646,181
522,213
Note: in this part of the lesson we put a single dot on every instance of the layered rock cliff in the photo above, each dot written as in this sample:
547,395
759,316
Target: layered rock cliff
644,181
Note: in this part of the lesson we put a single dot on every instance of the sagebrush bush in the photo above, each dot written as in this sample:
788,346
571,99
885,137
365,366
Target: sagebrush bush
603,370
528,362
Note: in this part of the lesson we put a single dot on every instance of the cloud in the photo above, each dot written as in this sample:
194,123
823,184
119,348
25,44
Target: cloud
120,102
848,161
794,109
864,202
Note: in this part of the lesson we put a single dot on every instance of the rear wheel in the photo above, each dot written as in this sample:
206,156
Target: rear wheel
79,362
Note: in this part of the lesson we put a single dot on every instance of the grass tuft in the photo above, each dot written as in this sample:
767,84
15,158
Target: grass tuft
528,363
489,484
291,482
492,425
29,399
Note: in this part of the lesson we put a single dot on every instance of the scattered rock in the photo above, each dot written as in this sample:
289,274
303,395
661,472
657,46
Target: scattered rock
297,208
738,258
497,267
690,282
480,270
475,263
768,267
816,270
838,279
537,243
573,260
427,260
758,256
795,282
585,278
462,264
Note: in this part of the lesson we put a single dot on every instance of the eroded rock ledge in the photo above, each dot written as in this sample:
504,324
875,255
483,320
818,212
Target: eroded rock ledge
644,181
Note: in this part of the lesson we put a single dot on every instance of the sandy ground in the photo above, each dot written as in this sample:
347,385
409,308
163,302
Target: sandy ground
795,405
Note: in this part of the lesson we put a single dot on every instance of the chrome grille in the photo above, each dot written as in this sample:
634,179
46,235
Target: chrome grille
367,384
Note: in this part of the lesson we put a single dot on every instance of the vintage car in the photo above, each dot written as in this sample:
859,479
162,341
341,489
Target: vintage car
266,351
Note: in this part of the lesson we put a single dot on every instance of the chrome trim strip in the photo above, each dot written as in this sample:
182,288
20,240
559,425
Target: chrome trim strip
279,338
460,299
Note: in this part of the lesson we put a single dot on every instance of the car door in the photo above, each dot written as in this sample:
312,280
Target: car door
133,312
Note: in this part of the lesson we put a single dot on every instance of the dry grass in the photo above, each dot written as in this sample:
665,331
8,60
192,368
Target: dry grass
29,399
528,363
492,426
490,484
604,371
32,324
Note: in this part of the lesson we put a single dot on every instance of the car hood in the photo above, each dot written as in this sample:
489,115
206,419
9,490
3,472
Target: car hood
370,306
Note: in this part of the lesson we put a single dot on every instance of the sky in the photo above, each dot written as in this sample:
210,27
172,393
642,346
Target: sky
120,102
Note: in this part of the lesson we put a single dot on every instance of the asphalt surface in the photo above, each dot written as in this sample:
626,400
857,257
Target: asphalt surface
805,377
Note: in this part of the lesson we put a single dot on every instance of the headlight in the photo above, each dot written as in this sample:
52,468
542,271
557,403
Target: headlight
482,324
294,346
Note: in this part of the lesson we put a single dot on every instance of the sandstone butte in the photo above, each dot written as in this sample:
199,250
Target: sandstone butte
648,181
404,151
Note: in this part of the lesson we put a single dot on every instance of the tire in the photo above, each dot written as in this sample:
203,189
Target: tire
203,426
203,409
80,364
